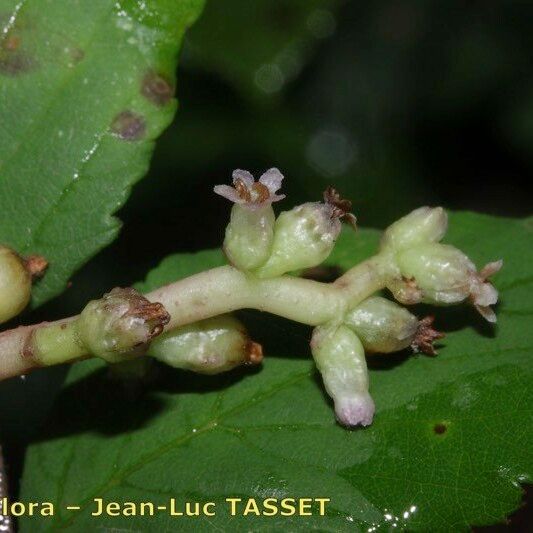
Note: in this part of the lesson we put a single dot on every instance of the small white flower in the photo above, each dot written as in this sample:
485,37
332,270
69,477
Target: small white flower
250,193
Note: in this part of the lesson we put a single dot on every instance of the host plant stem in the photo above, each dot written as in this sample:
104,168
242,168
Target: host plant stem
211,293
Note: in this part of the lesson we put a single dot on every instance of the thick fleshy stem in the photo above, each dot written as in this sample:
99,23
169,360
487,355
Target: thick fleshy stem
211,293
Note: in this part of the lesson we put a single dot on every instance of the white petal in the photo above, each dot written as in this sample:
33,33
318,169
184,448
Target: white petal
484,294
491,268
487,313
276,198
243,175
272,179
228,192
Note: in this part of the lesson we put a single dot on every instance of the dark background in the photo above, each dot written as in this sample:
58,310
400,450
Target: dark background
396,103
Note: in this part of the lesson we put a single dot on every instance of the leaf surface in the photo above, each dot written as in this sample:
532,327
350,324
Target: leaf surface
85,89
448,448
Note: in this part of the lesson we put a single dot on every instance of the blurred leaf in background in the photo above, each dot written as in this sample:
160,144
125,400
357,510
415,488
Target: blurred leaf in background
260,46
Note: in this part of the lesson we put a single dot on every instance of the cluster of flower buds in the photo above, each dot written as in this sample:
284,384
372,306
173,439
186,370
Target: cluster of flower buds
376,325
412,264
435,273
419,269
258,243
16,277
210,346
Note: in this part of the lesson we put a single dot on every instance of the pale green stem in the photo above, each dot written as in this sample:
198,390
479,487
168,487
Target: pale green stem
211,293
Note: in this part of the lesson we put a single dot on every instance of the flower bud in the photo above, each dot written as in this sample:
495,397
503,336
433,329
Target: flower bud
121,325
249,236
423,225
381,325
445,275
305,236
210,346
340,358
250,233
16,275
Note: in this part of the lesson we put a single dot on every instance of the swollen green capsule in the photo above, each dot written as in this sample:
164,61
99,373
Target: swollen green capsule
250,232
445,275
210,346
120,325
15,284
340,358
16,276
381,325
305,236
423,225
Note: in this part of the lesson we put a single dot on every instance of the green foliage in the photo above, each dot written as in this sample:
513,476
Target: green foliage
448,447
266,44
85,87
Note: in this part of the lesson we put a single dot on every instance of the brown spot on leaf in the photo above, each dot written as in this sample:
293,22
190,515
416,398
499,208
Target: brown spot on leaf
15,62
129,126
12,42
157,88
439,429
77,54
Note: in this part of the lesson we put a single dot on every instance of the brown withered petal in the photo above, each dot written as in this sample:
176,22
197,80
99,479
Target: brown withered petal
36,265
254,353
425,336
341,206
154,314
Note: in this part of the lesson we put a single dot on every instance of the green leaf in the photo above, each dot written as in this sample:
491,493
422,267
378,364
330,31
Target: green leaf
265,44
86,87
448,447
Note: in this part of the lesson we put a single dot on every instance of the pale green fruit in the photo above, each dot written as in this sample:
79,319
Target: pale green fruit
15,284
442,272
423,225
340,358
249,236
120,325
381,325
210,346
303,237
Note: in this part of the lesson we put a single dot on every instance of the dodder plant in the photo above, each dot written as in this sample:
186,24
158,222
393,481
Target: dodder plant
187,324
